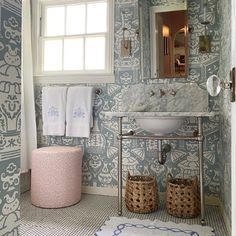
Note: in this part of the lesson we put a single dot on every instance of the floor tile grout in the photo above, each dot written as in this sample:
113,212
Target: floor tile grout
90,214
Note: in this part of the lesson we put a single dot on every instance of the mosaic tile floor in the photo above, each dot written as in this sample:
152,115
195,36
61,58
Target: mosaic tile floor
89,215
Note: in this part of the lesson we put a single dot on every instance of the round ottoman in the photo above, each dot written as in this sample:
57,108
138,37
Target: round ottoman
56,176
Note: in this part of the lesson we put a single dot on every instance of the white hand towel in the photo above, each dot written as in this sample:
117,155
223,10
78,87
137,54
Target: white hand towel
54,110
79,111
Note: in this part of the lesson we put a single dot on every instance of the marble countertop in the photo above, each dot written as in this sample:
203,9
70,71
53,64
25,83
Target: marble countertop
159,114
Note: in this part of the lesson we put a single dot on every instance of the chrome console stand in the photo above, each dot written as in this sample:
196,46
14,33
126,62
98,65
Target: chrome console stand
198,137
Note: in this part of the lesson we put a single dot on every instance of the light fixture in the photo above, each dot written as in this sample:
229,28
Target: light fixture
165,31
204,21
204,40
125,42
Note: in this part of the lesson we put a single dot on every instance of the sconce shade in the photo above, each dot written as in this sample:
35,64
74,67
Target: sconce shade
165,31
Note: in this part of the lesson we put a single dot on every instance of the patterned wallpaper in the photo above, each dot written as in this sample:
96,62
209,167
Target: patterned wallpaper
140,157
10,62
225,161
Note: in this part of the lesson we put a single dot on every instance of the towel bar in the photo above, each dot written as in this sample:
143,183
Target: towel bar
98,91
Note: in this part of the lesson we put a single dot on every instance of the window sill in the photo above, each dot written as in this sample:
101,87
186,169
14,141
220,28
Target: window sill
75,79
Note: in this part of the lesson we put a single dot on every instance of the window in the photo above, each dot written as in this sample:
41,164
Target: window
74,38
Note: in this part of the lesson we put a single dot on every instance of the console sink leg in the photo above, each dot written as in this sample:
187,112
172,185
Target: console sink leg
120,166
201,169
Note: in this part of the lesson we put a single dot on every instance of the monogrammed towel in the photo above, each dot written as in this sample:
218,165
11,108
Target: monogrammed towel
79,116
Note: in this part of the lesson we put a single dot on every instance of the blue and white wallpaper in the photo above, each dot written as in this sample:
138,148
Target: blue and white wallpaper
10,93
140,157
225,63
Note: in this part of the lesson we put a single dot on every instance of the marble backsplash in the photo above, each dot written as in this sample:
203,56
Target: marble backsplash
177,97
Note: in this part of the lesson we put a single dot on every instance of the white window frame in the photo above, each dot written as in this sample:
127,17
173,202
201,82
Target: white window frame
106,76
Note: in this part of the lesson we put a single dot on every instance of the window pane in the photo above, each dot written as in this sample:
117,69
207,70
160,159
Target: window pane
55,21
97,17
75,22
95,53
73,54
52,55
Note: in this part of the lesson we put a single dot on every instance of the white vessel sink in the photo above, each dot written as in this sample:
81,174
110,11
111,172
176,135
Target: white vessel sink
159,125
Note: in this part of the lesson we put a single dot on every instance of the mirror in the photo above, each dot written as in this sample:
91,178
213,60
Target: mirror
167,39
213,85
169,44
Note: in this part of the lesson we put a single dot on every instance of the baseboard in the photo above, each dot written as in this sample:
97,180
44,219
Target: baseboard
109,191
213,201
100,191
24,182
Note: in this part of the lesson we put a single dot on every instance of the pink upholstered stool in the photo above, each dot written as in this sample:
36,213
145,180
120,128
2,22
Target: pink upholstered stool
56,176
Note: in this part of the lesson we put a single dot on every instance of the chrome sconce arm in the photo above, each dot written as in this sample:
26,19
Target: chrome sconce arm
215,84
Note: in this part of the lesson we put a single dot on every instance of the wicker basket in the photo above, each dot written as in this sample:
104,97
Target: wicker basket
182,197
141,194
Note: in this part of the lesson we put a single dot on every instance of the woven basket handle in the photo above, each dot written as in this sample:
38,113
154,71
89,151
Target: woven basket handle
195,182
128,175
169,176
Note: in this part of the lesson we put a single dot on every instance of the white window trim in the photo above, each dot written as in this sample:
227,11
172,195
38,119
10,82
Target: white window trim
72,76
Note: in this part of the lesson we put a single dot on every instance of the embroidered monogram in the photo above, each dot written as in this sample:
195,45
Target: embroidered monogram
78,113
53,112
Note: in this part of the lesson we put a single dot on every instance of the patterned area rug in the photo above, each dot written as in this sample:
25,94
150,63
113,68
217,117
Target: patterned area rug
134,227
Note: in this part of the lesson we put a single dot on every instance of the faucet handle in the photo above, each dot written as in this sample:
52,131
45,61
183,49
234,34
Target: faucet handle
173,92
151,93
162,93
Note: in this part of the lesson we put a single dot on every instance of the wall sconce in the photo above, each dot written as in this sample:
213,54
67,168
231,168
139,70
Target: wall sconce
204,20
204,40
125,43
166,34
165,31
204,43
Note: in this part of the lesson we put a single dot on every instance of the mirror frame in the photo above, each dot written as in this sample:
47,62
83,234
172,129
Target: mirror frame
153,39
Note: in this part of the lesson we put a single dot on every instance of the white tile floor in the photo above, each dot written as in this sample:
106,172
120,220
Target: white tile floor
89,215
